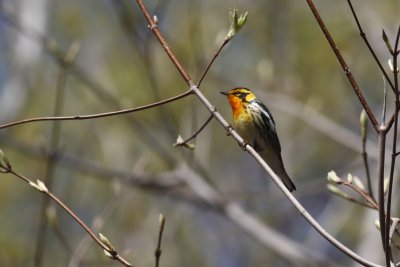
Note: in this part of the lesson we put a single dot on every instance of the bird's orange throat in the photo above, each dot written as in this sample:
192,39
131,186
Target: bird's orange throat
236,105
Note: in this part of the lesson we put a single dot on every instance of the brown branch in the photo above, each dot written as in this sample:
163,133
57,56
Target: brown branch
51,47
43,189
381,194
158,251
98,115
194,135
153,27
371,203
345,68
364,37
364,154
226,41
395,130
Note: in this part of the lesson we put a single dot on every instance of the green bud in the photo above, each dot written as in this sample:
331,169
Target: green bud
358,183
39,185
5,165
237,22
242,20
387,42
106,243
350,178
161,220
391,67
333,178
385,184
377,224
364,123
108,254
72,53
181,142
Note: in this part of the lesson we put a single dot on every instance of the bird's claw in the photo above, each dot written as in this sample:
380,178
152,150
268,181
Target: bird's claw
243,145
228,128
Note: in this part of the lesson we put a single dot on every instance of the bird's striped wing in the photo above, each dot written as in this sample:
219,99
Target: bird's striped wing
268,129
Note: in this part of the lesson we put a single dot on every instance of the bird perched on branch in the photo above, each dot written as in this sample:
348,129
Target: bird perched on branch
255,124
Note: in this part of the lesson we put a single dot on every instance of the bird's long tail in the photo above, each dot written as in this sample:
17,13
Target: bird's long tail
275,162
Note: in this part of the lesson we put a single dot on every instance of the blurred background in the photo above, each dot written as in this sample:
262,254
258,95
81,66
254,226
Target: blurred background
119,173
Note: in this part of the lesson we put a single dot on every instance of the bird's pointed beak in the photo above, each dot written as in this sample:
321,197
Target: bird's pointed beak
224,93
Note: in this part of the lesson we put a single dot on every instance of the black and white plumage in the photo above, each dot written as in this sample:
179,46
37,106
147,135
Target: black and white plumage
255,124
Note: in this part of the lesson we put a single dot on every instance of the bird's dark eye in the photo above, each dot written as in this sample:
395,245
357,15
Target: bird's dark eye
241,95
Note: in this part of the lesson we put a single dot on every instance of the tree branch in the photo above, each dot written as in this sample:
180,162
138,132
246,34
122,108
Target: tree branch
251,150
394,145
345,68
97,115
364,37
40,186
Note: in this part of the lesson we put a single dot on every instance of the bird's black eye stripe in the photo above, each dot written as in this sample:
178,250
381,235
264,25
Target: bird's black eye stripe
241,95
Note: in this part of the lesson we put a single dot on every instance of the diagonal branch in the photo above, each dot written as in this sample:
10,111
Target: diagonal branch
153,27
40,186
226,41
194,135
364,37
346,69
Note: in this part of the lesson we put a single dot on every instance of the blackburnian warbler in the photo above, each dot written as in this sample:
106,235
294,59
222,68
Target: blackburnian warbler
255,124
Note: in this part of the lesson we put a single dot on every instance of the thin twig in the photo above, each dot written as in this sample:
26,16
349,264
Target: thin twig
381,194
367,170
112,252
98,115
154,28
364,37
226,41
370,202
384,101
251,150
158,251
364,154
395,130
346,69
194,135
51,47
99,221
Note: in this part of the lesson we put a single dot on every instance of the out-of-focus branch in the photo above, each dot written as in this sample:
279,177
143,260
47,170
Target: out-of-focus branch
52,154
120,193
318,121
51,47
184,184
290,250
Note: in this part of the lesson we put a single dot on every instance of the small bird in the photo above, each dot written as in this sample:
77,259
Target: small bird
255,124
